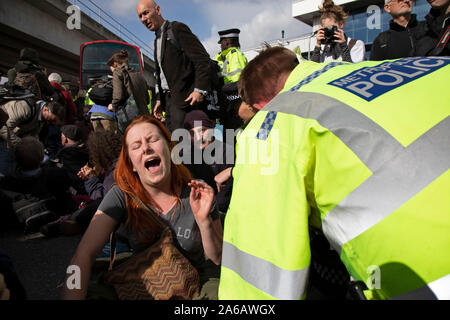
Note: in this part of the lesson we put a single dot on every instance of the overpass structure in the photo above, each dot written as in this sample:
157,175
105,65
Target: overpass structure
42,25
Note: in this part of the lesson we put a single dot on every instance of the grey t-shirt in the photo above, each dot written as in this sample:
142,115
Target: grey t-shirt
185,231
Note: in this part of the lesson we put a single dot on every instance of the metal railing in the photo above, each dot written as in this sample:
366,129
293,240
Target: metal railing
96,13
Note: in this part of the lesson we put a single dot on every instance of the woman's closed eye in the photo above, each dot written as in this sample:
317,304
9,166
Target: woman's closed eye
135,145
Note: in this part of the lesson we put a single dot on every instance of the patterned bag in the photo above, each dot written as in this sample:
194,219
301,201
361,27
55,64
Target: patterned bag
161,272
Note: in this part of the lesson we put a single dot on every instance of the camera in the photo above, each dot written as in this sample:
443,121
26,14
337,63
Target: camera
329,34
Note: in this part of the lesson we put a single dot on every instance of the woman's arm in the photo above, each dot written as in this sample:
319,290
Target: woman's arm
201,200
222,178
91,244
320,35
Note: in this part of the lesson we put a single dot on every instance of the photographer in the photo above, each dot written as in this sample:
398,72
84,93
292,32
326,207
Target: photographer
332,43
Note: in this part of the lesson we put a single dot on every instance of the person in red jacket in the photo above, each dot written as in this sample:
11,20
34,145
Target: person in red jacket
71,111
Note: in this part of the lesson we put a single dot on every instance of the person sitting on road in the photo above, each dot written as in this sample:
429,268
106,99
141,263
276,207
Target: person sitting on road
104,149
216,155
145,170
36,180
73,156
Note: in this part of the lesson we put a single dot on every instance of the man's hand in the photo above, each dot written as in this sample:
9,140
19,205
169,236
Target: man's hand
157,111
110,107
194,98
86,173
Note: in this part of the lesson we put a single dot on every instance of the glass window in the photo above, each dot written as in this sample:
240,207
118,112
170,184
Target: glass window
96,55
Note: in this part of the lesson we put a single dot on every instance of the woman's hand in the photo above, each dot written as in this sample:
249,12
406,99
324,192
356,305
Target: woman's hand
201,200
319,37
222,178
110,107
339,36
86,173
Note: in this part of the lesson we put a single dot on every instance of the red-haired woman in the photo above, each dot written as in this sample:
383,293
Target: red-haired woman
145,169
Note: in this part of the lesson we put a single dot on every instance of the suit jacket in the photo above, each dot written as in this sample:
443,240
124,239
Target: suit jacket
184,69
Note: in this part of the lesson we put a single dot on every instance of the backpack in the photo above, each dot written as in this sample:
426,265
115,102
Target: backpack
28,81
30,211
102,93
215,98
16,93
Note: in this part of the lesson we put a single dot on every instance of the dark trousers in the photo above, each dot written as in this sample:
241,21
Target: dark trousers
175,114
84,215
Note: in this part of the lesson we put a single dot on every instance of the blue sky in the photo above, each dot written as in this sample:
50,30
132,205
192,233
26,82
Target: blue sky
258,20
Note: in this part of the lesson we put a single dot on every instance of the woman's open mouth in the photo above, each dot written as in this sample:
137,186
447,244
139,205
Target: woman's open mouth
153,165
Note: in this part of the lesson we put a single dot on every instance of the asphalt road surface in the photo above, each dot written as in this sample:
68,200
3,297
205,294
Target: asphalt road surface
40,262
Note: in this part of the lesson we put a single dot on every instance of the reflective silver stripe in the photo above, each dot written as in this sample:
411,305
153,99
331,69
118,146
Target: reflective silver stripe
438,289
267,277
224,70
398,173
441,287
370,142
391,186
232,73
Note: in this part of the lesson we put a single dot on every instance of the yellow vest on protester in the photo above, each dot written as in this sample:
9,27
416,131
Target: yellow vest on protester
360,151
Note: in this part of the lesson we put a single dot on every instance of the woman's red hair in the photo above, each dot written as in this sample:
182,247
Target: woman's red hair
128,181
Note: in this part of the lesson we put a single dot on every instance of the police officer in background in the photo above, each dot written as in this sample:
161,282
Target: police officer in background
231,60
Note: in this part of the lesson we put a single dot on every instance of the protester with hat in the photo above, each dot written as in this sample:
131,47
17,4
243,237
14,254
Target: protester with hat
73,156
231,60
216,156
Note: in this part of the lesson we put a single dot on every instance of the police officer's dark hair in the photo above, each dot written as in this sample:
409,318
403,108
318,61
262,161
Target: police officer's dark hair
260,79
234,42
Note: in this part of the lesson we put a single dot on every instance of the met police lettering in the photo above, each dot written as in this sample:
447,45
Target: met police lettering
371,82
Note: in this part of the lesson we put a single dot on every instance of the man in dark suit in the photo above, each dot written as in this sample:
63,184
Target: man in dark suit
182,66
